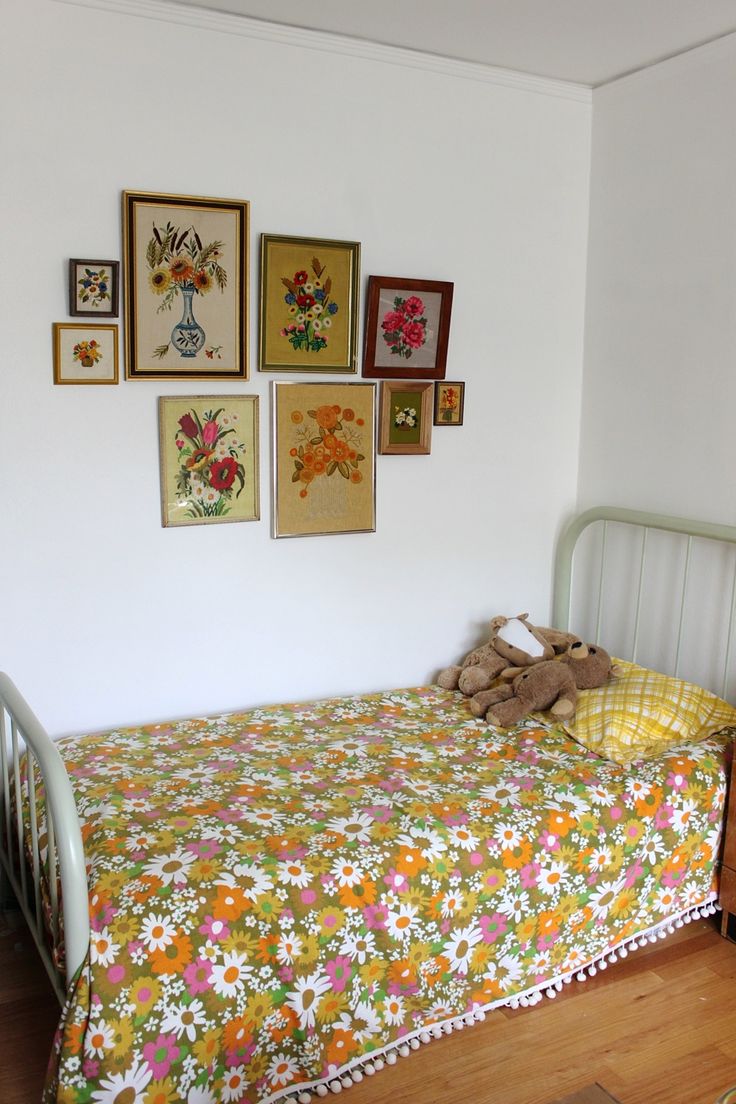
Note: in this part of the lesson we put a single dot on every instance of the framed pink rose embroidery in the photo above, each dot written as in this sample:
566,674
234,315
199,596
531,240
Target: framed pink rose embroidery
407,328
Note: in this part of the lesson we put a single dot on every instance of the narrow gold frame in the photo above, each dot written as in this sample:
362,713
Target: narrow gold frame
59,327
166,475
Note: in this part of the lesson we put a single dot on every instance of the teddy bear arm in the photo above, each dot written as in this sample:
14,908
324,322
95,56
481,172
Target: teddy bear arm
480,702
506,713
449,677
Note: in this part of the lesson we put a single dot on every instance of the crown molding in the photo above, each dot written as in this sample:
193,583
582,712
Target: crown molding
668,67
167,11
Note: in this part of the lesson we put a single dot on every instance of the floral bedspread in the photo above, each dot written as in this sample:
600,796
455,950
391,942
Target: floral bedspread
278,893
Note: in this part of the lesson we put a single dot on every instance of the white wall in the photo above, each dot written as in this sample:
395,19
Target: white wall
660,348
441,172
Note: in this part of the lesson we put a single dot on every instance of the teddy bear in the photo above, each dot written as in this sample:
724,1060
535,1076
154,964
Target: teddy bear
552,684
514,644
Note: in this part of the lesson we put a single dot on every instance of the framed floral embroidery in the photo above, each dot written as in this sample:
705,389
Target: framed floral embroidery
209,459
186,286
324,458
85,353
309,304
405,427
407,328
94,288
449,403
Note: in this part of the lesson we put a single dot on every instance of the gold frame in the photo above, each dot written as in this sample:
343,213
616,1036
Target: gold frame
222,273
319,261
173,500
323,450
90,327
419,437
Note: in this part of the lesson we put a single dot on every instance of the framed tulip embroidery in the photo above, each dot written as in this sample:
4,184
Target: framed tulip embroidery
324,465
407,328
85,353
209,459
309,304
186,286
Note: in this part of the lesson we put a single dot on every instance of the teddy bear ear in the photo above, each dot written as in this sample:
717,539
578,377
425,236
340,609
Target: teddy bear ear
578,650
616,670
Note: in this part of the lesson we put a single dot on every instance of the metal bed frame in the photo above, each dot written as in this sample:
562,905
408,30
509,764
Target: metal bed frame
23,833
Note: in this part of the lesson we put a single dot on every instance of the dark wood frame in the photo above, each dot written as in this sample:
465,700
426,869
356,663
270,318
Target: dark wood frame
404,370
461,413
92,312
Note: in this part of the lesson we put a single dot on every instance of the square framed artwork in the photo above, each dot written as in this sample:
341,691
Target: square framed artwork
449,403
405,427
309,304
94,288
85,353
186,286
407,328
324,466
209,459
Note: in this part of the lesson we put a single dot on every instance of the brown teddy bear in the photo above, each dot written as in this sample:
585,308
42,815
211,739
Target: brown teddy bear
514,644
552,685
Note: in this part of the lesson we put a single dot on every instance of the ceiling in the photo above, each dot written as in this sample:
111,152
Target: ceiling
588,42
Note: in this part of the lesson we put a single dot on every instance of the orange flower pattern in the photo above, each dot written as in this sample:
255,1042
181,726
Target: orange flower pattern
330,442
279,894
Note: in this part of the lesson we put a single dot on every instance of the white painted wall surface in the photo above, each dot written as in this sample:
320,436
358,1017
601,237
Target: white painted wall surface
660,347
440,173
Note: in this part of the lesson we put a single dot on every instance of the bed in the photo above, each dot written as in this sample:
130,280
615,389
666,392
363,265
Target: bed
276,903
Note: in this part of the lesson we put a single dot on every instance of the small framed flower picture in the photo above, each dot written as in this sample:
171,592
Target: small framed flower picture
407,328
405,426
94,288
309,304
449,403
85,353
324,458
209,459
186,286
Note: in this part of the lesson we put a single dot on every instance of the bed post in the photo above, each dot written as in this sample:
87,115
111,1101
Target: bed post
63,831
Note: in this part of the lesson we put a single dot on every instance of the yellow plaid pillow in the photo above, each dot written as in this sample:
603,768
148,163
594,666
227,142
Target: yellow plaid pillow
641,714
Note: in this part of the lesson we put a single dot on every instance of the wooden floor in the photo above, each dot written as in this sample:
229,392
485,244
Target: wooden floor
656,1028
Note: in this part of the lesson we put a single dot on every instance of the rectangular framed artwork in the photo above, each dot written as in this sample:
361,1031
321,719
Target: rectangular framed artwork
209,459
407,328
186,286
449,403
94,288
405,427
85,352
309,304
323,458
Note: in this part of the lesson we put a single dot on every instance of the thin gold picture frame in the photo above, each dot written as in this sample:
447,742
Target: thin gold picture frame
209,457
309,303
85,353
324,458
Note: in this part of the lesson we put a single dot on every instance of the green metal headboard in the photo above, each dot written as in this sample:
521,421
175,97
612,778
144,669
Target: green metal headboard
643,522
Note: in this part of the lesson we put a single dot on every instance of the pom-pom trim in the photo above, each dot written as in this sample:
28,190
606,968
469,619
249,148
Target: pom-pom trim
369,1064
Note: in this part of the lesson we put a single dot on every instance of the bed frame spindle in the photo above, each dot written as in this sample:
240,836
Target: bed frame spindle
21,834
638,519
